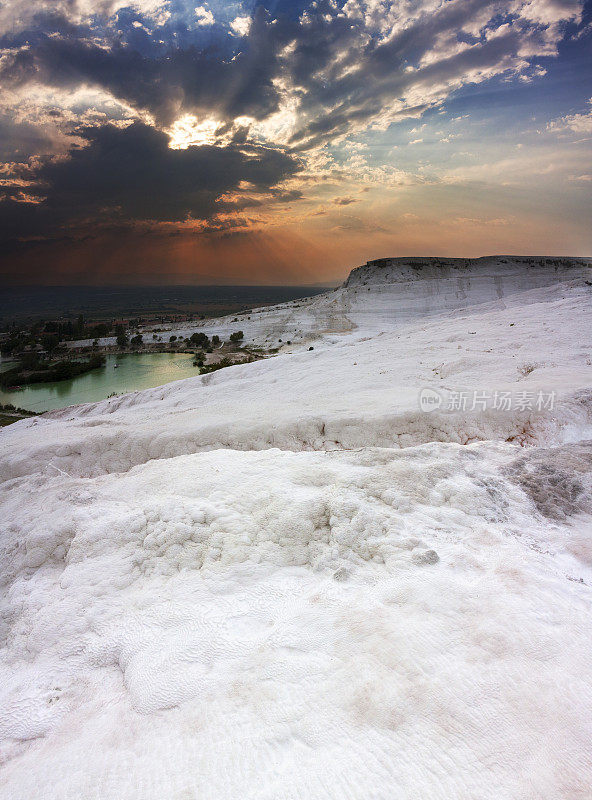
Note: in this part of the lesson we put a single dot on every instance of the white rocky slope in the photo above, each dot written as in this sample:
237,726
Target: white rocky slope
381,296
286,580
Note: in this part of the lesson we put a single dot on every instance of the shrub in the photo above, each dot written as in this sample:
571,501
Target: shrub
225,362
199,339
120,336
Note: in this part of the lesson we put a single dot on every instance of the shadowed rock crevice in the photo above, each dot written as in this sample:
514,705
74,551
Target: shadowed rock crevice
558,480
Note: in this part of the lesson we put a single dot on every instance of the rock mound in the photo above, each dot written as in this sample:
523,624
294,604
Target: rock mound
402,270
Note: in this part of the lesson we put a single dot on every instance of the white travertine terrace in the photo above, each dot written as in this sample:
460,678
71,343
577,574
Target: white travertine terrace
286,580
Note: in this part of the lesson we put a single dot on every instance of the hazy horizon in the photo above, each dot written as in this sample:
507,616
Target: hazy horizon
214,282
117,301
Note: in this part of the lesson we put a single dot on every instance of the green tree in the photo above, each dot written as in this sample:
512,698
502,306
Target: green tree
236,337
100,330
29,360
96,361
80,326
120,336
199,339
11,345
49,342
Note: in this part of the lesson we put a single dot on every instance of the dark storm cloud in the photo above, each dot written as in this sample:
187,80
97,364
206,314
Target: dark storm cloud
151,75
22,140
286,196
343,68
132,174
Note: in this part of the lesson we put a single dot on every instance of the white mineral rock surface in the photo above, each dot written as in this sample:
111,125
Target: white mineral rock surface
285,580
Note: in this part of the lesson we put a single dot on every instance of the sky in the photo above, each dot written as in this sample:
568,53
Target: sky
166,141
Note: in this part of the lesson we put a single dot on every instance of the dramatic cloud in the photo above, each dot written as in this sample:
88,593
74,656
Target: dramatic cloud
339,67
132,174
122,113
164,82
